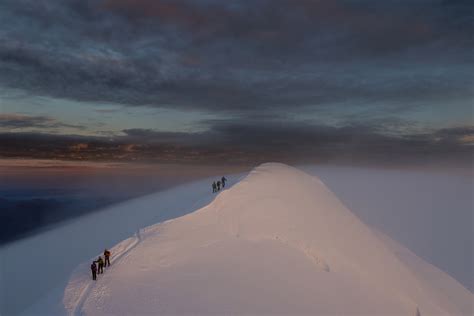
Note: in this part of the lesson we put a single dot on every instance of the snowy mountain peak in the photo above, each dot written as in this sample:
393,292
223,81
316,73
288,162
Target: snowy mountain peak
279,241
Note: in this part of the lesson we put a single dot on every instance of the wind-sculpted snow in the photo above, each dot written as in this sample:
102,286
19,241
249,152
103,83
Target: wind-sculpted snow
35,271
278,242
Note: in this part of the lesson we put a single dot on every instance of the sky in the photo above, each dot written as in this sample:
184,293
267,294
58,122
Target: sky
206,81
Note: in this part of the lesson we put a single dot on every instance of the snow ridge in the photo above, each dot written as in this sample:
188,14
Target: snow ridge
279,241
119,251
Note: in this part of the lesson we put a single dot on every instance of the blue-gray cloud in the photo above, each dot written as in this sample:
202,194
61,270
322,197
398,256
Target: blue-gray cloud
245,57
268,69
17,121
244,142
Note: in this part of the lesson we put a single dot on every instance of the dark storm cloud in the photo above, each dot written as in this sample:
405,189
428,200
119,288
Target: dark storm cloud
16,121
458,134
230,142
240,57
139,135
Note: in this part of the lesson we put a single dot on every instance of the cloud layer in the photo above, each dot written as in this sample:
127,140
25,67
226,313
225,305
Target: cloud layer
240,57
285,79
241,143
16,121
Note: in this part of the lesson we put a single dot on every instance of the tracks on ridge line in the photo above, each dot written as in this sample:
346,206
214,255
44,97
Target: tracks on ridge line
77,310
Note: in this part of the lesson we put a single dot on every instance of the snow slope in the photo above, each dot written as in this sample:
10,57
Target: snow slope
278,242
428,211
34,271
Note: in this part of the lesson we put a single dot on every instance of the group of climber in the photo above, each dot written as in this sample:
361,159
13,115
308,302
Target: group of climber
216,186
97,266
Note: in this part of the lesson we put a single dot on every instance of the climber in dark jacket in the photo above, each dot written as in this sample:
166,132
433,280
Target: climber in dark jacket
100,262
94,271
107,257
223,182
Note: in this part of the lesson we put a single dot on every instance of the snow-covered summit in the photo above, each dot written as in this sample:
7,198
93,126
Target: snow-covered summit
278,242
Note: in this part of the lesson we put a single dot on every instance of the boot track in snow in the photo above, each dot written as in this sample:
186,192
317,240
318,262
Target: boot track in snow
76,310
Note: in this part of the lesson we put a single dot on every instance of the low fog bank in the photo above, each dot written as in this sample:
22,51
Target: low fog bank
429,211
